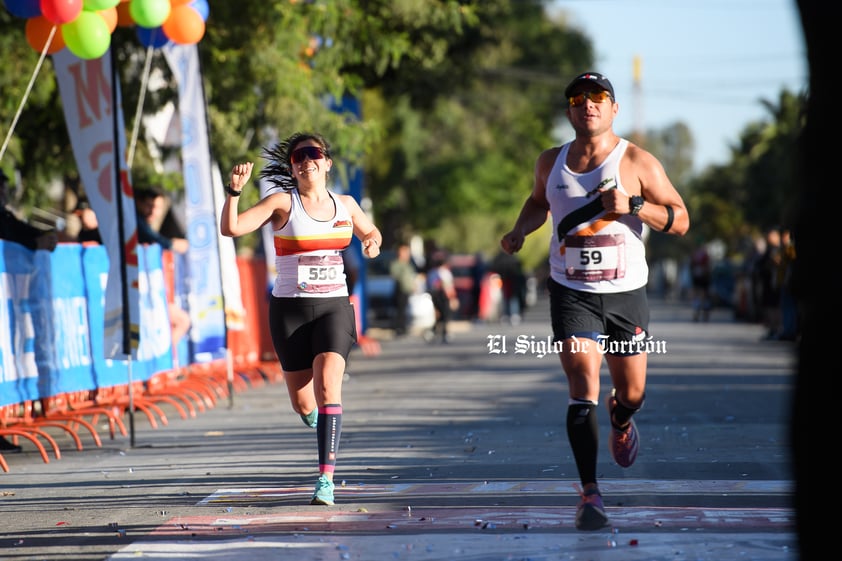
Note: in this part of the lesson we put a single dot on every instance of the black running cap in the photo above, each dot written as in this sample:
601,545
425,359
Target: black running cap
592,78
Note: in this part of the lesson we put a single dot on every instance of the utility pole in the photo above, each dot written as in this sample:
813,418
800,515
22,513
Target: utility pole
637,94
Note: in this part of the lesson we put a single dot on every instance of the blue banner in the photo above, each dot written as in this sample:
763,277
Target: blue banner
52,318
21,317
64,355
155,351
107,372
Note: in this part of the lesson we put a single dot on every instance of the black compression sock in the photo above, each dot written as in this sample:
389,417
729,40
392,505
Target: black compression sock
583,434
622,414
329,429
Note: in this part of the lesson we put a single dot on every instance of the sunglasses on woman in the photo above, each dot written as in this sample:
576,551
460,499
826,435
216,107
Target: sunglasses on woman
596,97
312,152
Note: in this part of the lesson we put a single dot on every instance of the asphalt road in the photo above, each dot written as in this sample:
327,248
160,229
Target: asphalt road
448,452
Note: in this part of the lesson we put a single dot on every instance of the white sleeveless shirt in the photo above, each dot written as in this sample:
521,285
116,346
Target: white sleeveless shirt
308,254
596,251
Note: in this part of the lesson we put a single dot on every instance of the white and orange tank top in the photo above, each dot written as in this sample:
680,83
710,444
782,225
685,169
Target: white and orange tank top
593,250
308,252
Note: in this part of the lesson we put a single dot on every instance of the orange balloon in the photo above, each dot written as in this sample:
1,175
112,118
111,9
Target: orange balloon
38,33
184,26
110,16
124,17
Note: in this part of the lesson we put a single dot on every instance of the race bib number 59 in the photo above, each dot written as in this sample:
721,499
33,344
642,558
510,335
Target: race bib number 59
595,258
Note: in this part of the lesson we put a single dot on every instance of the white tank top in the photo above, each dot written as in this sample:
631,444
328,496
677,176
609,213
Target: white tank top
595,251
308,254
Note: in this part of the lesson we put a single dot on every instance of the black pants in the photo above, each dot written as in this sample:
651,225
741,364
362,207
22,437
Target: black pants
443,312
401,301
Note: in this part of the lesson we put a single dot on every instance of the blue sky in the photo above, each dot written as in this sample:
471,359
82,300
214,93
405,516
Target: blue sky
703,62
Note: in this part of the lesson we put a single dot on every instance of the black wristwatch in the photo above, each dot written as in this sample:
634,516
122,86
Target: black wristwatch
635,204
231,191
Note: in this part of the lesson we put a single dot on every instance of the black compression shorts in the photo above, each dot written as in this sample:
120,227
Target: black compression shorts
302,328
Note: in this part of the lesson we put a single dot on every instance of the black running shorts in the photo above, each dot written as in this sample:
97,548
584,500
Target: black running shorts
621,316
302,328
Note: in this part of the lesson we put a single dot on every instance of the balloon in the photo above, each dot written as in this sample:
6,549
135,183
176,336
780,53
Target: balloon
154,37
150,13
87,36
98,5
110,16
61,11
202,7
24,8
124,18
38,31
184,26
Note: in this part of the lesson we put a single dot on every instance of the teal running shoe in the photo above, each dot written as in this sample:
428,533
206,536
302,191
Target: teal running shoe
323,495
311,419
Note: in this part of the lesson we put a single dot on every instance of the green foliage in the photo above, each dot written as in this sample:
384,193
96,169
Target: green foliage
457,99
673,146
469,151
758,188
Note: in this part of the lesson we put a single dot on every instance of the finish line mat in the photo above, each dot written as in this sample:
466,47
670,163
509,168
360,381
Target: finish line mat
277,523
613,488
406,516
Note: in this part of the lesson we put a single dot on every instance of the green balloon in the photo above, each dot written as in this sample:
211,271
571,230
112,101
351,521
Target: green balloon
97,5
87,36
149,13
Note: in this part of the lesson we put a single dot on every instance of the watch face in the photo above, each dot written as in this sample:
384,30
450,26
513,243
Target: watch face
636,203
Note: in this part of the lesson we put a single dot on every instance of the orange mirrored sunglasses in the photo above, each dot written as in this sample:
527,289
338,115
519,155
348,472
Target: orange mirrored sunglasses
596,97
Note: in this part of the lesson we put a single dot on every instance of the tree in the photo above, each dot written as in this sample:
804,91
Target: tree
458,166
758,187
457,97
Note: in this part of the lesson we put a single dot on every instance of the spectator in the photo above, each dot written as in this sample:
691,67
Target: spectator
477,276
403,271
514,285
700,278
14,229
441,287
89,226
766,283
8,447
151,204
789,329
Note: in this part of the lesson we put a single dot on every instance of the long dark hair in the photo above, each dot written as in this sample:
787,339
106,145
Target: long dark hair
278,171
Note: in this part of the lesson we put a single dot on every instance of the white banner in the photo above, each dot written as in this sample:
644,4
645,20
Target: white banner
235,311
92,115
207,313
